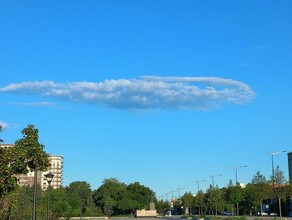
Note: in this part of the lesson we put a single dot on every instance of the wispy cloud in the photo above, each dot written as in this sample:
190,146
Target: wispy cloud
148,92
36,104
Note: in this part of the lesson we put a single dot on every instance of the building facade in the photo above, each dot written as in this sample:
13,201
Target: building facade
290,166
56,168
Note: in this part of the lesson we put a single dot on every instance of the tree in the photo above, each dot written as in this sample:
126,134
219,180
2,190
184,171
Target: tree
162,207
214,197
35,156
199,201
237,195
79,197
187,200
140,195
60,206
258,178
108,195
279,187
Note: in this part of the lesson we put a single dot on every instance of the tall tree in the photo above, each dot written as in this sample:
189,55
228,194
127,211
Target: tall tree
35,156
79,196
214,197
258,178
108,195
141,195
199,202
237,195
187,200
59,203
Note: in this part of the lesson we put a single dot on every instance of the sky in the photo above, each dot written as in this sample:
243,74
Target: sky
162,92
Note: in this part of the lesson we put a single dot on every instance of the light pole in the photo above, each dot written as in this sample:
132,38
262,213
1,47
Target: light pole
49,177
273,176
178,189
198,183
212,177
235,169
273,170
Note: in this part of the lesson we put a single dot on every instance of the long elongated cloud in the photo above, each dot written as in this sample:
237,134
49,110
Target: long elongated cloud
148,92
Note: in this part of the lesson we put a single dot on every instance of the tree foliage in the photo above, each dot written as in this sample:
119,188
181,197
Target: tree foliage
35,157
115,197
26,153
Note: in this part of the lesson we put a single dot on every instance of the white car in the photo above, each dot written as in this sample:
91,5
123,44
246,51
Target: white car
263,213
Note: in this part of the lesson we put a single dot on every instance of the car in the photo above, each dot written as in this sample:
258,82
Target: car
273,213
262,213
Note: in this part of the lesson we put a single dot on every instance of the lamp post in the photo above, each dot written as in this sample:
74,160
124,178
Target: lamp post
273,170
198,183
49,177
235,169
212,177
273,176
178,189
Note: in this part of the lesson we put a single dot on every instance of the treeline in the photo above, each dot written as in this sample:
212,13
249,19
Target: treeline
260,197
116,198
77,199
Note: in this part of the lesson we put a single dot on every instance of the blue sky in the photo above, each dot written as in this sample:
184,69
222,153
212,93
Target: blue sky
165,93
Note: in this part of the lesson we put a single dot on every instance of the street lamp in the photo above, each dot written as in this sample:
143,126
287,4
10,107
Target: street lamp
49,177
273,176
236,168
213,176
178,189
198,183
273,170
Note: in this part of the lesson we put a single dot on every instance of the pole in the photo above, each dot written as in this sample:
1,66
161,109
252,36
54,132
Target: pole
49,201
236,175
34,195
273,176
235,169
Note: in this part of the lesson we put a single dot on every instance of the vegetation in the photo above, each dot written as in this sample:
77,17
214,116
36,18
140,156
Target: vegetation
114,198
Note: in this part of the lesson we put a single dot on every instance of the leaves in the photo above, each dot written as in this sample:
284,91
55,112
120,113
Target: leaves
27,153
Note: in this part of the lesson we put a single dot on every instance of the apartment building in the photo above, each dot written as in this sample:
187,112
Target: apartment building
56,168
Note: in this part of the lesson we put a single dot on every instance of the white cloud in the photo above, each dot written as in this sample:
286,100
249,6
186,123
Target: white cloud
148,92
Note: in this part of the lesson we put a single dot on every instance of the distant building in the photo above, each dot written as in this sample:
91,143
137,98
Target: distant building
56,167
290,166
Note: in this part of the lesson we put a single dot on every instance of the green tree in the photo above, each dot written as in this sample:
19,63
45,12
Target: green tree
237,195
214,198
35,156
258,178
60,206
199,202
257,191
162,207
17,159
79,197
279,187
108,195
187,200
140,195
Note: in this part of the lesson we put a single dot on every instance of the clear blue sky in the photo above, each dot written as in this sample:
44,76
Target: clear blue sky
161,92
